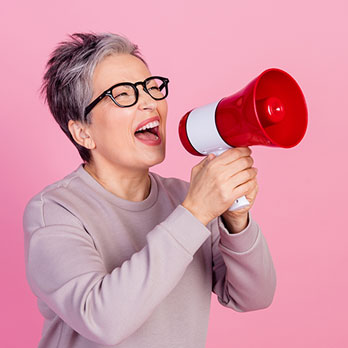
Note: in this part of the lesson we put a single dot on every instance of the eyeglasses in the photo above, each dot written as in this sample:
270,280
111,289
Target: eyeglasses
126,94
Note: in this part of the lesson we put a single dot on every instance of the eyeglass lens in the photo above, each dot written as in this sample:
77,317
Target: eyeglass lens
126,95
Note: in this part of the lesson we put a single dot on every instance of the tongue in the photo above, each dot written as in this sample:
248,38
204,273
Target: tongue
146,136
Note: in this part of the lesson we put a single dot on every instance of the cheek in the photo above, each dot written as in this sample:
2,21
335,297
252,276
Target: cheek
113,129
163,110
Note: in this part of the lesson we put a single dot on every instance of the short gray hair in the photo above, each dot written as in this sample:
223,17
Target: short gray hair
67,83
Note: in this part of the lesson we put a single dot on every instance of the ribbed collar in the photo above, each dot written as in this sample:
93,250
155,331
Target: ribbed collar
112,198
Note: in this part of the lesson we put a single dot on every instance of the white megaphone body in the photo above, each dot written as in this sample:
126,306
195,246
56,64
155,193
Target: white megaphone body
271,110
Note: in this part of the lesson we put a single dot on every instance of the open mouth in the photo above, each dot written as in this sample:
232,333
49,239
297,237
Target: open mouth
149,132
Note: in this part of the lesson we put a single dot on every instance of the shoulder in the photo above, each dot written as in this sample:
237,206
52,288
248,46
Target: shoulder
52,202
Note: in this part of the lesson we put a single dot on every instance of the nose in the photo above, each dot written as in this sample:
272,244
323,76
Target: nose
146,102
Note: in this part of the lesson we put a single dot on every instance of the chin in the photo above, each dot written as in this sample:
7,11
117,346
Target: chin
159,158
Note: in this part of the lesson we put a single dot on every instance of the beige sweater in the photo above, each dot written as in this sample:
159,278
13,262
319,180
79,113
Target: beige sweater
110,272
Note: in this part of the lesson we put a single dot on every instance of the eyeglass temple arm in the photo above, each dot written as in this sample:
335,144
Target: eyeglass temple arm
95,102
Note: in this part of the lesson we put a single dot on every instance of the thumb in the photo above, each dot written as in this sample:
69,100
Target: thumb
203,163
209,158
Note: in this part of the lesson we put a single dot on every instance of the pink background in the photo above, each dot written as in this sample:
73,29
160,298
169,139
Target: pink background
208,51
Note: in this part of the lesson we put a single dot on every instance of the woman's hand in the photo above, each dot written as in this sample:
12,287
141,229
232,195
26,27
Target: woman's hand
216,182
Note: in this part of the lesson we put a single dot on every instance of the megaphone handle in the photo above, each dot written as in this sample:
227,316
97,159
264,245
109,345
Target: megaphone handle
241,202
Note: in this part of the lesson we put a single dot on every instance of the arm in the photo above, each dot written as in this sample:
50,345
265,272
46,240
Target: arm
243,273
65,270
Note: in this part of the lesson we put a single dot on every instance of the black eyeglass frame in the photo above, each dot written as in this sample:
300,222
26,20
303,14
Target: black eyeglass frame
108,92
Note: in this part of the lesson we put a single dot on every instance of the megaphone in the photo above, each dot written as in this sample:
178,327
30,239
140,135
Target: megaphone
271,110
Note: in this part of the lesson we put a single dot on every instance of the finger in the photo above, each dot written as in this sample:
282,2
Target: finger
233,154
248,189
240,164
243,176
233,168
253,190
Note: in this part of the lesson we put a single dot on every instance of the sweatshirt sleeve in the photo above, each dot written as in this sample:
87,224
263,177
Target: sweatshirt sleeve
65,270
244,277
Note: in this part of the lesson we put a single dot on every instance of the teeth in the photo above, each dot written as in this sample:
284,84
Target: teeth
149,125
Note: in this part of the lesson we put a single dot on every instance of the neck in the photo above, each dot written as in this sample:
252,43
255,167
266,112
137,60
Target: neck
127,184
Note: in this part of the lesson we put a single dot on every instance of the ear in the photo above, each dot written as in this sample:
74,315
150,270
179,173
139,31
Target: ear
81,134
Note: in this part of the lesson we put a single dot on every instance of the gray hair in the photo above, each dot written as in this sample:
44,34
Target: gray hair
67,83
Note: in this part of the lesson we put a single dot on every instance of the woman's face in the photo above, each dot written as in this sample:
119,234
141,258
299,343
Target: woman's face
113,128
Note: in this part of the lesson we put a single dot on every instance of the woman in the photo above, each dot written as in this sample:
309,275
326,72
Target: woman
119,256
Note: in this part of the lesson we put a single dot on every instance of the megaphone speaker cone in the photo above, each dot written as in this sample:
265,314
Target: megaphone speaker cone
270,110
